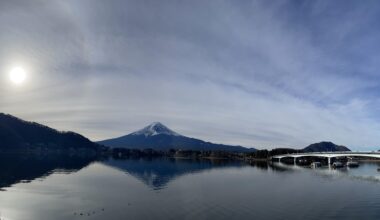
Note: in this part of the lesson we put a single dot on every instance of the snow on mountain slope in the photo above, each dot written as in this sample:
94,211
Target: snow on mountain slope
155,129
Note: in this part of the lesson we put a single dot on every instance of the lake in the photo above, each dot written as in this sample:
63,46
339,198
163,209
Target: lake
63,187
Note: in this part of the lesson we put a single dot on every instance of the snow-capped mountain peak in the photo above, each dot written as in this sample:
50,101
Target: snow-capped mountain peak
155,128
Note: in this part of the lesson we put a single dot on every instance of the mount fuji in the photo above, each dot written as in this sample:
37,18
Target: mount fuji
159,137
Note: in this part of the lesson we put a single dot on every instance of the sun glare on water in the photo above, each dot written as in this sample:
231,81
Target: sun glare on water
17,75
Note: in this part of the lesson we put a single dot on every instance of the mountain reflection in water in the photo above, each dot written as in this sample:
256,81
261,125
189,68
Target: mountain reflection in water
154,172
27,167
157,172
73,187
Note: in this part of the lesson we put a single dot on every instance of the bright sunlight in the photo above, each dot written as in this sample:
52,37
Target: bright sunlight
17,75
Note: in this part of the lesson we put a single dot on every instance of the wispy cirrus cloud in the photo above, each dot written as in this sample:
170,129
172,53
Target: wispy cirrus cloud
255,73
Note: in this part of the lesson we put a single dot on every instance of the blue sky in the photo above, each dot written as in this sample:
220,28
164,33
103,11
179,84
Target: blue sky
256,73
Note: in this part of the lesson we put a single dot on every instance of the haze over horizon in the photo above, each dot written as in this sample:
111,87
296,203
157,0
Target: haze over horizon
252,73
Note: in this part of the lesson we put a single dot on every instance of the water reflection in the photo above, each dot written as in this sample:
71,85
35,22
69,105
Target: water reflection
167,188
25,168
154,172
266,165
158,172
367,171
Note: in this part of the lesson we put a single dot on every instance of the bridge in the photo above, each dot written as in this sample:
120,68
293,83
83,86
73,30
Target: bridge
328,155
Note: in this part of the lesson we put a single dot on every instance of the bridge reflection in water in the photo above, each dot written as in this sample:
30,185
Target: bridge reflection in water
328,155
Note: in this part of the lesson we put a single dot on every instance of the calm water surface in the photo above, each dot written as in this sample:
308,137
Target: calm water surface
77,188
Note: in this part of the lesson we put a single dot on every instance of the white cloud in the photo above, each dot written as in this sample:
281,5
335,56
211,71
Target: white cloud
259,74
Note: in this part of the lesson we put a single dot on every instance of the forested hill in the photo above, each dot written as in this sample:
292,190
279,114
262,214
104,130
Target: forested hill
325,146
17,133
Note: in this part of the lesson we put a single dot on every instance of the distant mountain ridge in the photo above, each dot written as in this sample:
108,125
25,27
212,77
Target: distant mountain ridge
16,133
324,146
159,137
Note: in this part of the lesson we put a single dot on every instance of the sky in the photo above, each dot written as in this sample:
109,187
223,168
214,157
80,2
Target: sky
261,74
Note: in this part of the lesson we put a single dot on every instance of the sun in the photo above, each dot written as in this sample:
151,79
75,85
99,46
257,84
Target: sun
17,75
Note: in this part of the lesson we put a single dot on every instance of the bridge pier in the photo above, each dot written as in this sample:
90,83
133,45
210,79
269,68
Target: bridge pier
295,160
329,162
